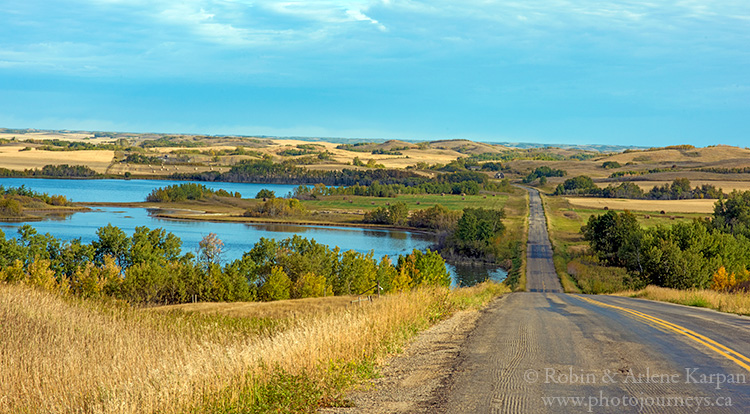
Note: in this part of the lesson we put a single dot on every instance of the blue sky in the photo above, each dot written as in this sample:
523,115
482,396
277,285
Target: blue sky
554,71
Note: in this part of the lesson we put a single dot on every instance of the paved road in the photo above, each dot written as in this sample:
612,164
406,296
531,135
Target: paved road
541,352
540,270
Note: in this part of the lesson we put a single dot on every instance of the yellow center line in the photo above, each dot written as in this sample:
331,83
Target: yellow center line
709,343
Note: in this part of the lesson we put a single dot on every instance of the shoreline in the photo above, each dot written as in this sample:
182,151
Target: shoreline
226,218
203,215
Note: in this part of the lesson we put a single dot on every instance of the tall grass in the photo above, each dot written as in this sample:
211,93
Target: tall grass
738,302
65,355
592,277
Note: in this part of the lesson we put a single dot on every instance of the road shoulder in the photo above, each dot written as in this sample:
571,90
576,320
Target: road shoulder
414,381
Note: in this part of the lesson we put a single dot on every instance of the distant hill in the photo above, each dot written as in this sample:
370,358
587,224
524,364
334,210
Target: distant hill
603,148
465,146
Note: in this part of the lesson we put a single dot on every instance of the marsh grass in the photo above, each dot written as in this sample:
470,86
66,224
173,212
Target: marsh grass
66,355
738,302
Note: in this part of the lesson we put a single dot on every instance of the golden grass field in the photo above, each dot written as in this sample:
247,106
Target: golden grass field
12,157
68,136
714,154
64,355
278,309
669,206
726,185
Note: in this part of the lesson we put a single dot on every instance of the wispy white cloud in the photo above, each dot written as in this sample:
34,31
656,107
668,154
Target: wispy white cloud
359,16
126,32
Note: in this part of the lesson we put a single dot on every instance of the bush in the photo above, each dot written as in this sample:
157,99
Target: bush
543,171
435,218
265,193
10,208
594,278
611,164
395,214
277,207
186,191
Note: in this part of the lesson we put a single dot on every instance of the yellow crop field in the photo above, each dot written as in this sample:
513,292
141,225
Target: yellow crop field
727,186
669,206
12,157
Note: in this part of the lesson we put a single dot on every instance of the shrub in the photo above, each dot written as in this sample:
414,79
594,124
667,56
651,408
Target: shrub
10,208
611,164
265,193
277,207
395,214
436,218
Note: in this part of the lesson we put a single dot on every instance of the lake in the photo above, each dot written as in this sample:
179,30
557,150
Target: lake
237,237
128,191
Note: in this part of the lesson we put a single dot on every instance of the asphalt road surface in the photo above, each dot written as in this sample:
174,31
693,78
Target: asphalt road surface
540,270
545,352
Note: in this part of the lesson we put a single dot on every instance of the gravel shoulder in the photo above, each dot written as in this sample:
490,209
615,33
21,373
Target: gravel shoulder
414,381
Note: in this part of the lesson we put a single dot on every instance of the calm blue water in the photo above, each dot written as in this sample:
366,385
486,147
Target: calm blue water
126,191
237,237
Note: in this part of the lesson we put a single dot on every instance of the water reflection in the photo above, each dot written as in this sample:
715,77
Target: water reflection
467,275
391,234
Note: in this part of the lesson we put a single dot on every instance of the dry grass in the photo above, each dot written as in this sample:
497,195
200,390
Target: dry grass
295,308
718,153
738,303
66,356
13,158
669,206
726,185
48,135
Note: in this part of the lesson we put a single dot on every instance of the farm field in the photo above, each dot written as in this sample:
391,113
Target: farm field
14,158
726,185
668,206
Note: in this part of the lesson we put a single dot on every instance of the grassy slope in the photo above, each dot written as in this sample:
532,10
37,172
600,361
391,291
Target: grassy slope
68,355
738,303
517,228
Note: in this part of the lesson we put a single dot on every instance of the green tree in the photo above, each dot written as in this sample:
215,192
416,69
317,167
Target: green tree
733,214
356,273
609,232
398,213
277,286
157,246
112,241
385,274
310,285
431,269
265,193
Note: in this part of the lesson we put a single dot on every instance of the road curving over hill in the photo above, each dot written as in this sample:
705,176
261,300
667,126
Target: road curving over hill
548,352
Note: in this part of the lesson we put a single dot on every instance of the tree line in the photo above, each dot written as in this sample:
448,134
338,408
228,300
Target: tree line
542,173
149,267
52,171
685,255
454,183
679,189
186,191
376,182
13,200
